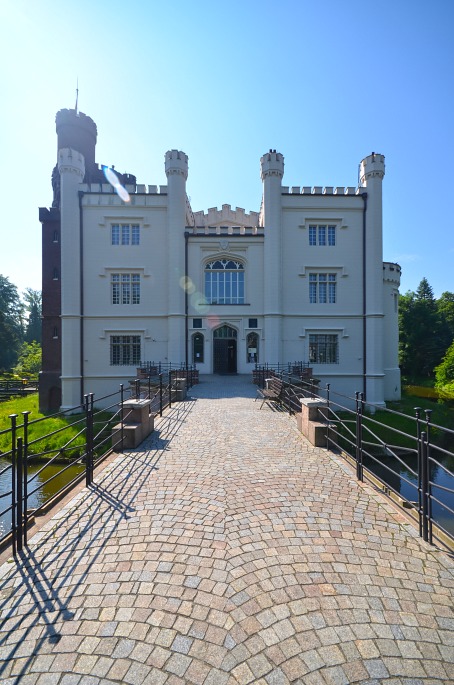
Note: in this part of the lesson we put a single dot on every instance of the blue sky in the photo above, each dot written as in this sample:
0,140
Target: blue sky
325,83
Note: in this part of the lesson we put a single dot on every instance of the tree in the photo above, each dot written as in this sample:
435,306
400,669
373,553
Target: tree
29,362
422,335
11,331
33,301
444,373
445,306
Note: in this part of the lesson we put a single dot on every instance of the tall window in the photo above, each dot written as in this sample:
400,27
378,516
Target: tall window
322,288
252,348
323,349
322,235
125,350
224,282
125,234
197,348
125,288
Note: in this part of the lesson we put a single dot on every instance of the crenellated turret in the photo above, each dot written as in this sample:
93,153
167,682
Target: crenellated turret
176,168
272,172
71,165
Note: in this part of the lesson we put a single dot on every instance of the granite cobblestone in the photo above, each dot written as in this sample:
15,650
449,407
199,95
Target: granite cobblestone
226,550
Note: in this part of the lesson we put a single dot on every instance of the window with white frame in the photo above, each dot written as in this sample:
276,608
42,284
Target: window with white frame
224,282
322,288
322,234
323,348
124,350
125,288
125,234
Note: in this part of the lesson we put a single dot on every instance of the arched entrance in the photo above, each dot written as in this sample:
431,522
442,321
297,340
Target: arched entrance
225,350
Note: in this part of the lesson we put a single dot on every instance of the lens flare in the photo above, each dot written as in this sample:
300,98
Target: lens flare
213,321
199,303
187,285
114,181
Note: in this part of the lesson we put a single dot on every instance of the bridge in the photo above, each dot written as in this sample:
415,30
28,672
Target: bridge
227,550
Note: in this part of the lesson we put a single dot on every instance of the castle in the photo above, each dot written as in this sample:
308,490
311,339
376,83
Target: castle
131,274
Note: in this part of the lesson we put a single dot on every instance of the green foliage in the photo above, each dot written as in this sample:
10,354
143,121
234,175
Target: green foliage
444,372
29,362
10,323
33,305
56,435
424,333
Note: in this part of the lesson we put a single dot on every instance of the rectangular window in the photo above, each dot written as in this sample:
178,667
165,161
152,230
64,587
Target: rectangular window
323,349
197,323
252,323
322,288
322,235
125,350
125,288
135,234
125,234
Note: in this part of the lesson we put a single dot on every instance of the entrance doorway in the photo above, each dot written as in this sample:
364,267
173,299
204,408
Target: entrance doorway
225,350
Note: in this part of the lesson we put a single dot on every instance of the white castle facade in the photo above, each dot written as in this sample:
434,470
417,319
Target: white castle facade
149,279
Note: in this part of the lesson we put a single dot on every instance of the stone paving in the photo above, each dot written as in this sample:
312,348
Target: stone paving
226,550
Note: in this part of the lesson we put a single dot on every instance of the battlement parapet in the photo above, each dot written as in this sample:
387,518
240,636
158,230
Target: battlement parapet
392,272
140,189
176,162
321,190
226,215
71,161
225,230
272,164
72,117
372,166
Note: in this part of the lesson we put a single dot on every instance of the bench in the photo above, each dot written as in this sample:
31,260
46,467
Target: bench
273,391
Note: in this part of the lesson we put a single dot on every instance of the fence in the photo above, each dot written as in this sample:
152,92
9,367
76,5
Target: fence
409,458
17,386
88,436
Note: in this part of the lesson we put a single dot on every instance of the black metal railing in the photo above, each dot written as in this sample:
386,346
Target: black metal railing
411,461
88,436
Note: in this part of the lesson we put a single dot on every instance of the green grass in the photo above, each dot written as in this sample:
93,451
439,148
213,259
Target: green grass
68,428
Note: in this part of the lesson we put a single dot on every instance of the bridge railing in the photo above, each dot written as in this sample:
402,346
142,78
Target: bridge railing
64,453
409,458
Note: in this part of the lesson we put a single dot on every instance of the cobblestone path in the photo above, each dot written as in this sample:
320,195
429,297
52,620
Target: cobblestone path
227,550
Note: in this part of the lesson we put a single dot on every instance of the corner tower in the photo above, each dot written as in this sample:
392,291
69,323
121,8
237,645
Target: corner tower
272,172
176,168
372,172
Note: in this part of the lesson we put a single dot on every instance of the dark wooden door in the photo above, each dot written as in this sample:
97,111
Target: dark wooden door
231,356
220,361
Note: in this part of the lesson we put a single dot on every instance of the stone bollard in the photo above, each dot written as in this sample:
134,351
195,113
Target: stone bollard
312,422
179,389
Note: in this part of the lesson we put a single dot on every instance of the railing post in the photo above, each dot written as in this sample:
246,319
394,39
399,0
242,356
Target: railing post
359,435
425,487
13,418
170,388
122,418
20,495
428,413
419,464
328,414
25,414
89,439
160,393
137,388
149,384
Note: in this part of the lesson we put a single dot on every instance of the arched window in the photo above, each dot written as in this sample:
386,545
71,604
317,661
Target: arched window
225,332
224,282
197,348
252,348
